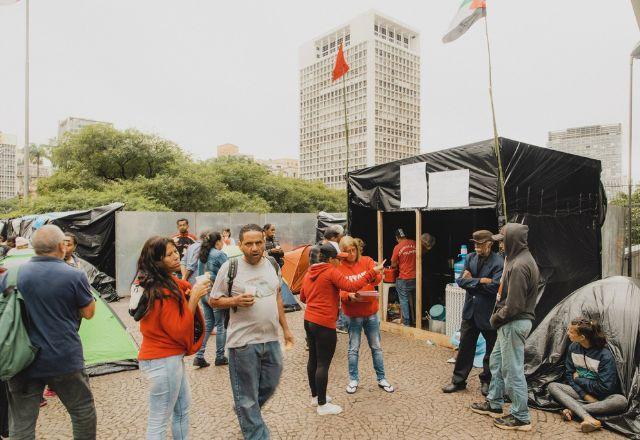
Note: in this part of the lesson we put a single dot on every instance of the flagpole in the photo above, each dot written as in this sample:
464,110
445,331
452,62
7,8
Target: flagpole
346,135
25,190
495,127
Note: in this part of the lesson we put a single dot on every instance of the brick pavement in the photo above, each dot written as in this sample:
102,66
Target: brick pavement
417,410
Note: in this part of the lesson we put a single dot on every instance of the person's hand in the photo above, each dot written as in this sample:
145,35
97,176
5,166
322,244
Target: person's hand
466,274
379,267
244,300
575,375
354,297
589,398
288,340
200,289
486,280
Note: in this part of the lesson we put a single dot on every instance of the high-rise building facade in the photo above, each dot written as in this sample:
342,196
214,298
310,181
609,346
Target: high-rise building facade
8,165
383,98
601,142
282,167
73,125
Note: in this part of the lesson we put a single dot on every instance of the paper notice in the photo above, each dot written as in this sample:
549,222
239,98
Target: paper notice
449,189
413,185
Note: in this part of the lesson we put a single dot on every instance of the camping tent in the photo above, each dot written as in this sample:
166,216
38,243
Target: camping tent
296,262
95,229
107,346
615,302
558,195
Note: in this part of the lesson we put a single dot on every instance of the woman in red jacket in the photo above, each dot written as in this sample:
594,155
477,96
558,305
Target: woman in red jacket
362,311
172,327
320,291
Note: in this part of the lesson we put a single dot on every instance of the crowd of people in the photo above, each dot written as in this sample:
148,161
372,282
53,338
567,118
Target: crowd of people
187,288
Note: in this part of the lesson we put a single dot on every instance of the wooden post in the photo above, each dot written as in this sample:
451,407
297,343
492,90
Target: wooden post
418,301
382,312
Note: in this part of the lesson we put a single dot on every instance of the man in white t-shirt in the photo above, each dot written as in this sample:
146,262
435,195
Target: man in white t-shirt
255,358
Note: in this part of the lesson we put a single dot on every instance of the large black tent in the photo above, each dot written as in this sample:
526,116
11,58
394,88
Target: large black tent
558,195
615,302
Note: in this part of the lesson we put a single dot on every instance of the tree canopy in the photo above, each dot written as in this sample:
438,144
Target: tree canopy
100,165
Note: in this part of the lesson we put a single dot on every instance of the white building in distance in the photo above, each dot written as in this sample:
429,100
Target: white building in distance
8,165
601,142
282,167
383,98
73,125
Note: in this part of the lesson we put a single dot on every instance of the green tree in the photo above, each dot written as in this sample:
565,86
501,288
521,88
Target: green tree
37,154
621,200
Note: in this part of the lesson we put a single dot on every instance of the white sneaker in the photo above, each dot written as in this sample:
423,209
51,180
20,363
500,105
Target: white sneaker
314,400
352,387
329,409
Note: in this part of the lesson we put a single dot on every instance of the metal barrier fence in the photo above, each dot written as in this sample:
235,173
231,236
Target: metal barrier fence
134,228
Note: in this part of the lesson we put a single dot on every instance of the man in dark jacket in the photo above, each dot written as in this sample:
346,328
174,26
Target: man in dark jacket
512,317
481,278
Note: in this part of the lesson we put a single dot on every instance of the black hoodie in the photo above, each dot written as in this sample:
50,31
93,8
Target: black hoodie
520,280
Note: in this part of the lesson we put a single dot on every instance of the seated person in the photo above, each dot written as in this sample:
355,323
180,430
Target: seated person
593,387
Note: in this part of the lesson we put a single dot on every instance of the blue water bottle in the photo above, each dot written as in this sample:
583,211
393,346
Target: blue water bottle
458,266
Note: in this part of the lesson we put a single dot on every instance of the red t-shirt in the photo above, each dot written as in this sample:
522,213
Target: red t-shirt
405,255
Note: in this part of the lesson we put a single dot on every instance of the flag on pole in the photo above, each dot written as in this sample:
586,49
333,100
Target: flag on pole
469,12
341,67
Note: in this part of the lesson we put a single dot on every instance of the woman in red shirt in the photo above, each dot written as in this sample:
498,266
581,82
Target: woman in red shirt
362,311
172,328
320,291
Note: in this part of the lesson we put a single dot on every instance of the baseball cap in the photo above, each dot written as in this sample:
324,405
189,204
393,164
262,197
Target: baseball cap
482,236
21,241
327,250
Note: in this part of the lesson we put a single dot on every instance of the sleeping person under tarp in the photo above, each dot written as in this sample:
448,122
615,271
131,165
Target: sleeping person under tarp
583,358
103,283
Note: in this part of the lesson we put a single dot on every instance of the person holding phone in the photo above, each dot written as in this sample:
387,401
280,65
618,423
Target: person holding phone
361,308
172,327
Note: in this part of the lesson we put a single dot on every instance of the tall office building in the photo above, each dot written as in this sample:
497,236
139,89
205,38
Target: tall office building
8,166
383,98
73,125
602,142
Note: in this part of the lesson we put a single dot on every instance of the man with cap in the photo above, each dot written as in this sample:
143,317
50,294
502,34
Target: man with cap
481,279
404,259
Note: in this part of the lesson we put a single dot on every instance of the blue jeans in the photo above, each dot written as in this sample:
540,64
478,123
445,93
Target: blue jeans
371,327
213,318
507,369
406,293
255,371
343,320
170,396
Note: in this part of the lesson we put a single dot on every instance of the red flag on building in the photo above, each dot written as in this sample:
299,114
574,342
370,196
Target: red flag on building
341,66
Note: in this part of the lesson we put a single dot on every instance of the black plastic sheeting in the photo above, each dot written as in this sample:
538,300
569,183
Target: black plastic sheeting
325,220
558,195
94,228
615,302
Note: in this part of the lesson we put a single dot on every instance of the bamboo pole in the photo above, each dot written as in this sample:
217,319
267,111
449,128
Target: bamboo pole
418,301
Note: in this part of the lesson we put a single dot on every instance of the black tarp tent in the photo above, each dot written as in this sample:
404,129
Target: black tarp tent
558,195
95,229
325,220
615,302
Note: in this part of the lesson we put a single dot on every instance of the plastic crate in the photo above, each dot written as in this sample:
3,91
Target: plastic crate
454,301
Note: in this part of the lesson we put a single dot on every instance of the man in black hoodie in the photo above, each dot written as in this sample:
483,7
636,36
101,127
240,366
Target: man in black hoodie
512,317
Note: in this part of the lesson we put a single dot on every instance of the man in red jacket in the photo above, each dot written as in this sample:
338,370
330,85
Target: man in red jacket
321,292
361,308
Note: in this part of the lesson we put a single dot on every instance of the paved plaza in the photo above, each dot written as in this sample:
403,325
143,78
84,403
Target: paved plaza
417,410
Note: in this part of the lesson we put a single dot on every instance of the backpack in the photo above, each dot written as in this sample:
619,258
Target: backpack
16,350
231,275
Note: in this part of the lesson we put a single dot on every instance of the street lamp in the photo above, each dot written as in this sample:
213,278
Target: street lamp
634,55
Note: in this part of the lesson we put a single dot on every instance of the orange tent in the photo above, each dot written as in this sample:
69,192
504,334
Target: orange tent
296,262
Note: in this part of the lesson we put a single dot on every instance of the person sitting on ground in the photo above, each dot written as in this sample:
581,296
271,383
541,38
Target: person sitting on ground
362,313
172,327
210,259
592,387
321,292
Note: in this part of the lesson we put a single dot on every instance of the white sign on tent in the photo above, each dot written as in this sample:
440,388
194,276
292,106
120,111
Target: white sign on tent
449,189
413,185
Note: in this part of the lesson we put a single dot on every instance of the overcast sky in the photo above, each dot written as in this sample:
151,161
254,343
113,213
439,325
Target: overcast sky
203,73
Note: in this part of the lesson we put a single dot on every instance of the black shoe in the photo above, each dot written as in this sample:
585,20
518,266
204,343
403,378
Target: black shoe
453,387
511,423
200,362
484,389
485,409
223,361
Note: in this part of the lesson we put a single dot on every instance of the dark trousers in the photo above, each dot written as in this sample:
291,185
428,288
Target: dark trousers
322,345
4,410
469,333
74,393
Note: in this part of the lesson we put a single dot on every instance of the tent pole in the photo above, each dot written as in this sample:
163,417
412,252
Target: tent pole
382,311
418,270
